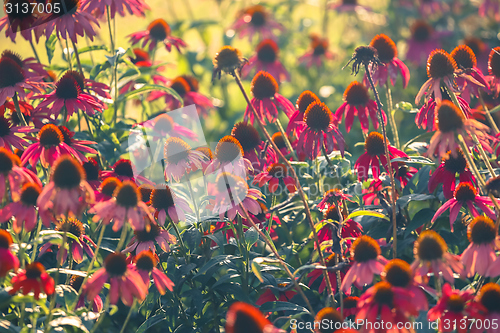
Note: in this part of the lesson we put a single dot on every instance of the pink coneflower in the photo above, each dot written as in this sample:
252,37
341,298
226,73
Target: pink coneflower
179,157
99,7
481,50
68,97
446,174
187,88
332,275
296,122
332,197
144,240
125,282
441,68
451,121
371,194
106,189
465,194
404,173
266,59
229,158
493,70
13,176
283,296
276,176
208,156
388,55
84,243
423,40
472,78
374,154
9,134
368,262
70,22
92,171
33,278
233,195
344,6
319,132
350,309
279,140
123,169
145,264
125,206
79,146
15,21
166,203
426,116
318,52
453,307
50,146
164,125
18,76
489,299
260,154
350,228
76,282
157,31
357,102
256,19
91,86
480,255
266,99
432,256
393,305
243,317
67,192
399,274
8,261
329,316
24,210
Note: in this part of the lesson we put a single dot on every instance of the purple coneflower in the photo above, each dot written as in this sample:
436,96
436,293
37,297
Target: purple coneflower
266,59
144,240
318,52
256,19
166,203
229,158
179,157
157,31
296,122
23,210
99,7
13,176
145,264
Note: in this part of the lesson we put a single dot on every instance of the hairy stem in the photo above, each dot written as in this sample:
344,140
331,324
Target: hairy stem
285,138
488,115
392,112
18,110
389,165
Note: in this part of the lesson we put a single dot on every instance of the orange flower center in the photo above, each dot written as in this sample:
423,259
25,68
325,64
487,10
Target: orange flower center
34,270
163,123
109,185
247,135
30,193
162,198
365,249
330,315
180,85
115,264
481,230
494,62
148,236
277,170
146,190
465,192
318,116
159,29
455,303
264,86
440,64
383,294
6,161
123,167
278,140
489,297
421,31
257,15
386,48
374,144
68,87
50,135
127,194
332,213
356,94
228,149
228,58
455,164
305,99
398,273
176,150
449,117
5,239
464,57
267,51
11,70
430,246
146,261
67,173
91,169
73,226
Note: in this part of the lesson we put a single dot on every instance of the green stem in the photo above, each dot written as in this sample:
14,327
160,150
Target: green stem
56,279
392,112
128,316
69,57
77,58
110,31
94,258
22,248
18,110
35,242
34,51
102,316
123,236
181,242
191,192
488,115
287,142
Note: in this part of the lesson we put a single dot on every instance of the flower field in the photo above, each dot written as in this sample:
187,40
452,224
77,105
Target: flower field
218,166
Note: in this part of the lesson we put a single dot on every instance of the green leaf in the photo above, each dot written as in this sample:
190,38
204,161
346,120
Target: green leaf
7,327
414,160
69,321
282,306
50,46
421,217
67,271
251,236
151,321
147,88
66,296
220,259
367,213
256,269
91,48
